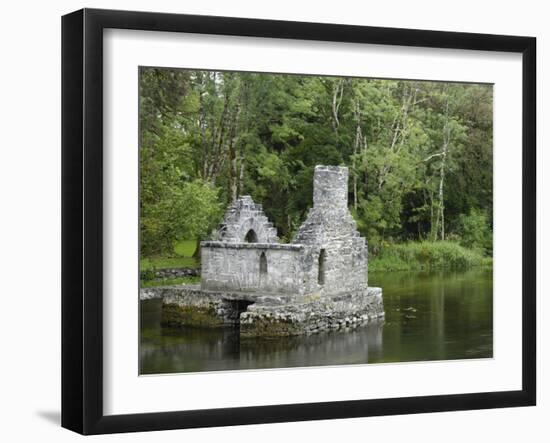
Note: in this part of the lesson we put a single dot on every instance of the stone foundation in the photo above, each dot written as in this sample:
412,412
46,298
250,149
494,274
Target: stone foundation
268,315
313,315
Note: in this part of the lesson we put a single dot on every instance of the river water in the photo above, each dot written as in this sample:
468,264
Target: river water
429,316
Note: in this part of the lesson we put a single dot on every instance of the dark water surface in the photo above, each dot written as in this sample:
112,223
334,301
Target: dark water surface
429,316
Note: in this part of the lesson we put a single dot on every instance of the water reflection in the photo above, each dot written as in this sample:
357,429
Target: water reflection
184,350
429,316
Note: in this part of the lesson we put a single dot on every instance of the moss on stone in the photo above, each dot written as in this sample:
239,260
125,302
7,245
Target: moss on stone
174,315
263,327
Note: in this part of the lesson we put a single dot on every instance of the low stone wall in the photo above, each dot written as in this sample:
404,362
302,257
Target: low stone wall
314,315
266,315
150,294
187,305
168,273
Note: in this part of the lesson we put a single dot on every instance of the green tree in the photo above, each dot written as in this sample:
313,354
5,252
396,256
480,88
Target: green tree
475,232
419,153
188,211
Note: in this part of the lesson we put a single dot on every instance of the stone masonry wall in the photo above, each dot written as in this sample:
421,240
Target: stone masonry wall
320,314
330,227
187,305
327,256
330,188
240,218
237,267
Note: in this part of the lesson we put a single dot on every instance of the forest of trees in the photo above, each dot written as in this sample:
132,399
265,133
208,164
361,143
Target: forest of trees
419,153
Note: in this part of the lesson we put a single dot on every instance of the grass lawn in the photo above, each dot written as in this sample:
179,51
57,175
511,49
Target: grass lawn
181,258
169,281
185,248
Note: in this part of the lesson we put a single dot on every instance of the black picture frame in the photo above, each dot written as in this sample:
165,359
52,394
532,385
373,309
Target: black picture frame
82,218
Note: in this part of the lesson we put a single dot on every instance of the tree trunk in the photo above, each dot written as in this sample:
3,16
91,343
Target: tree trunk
433,224
441,205
241,173
356,147
233,173
365,172
233,159
444,151
400,130
337,95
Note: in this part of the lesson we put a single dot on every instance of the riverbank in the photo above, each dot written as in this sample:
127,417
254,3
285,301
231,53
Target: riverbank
426,256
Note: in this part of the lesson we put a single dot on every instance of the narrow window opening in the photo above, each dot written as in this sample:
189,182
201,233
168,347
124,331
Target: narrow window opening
251,237
263,264
321,275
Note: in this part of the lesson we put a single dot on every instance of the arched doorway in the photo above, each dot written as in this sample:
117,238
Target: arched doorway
321,274
251,237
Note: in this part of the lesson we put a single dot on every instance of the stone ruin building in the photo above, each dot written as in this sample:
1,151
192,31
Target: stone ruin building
318,282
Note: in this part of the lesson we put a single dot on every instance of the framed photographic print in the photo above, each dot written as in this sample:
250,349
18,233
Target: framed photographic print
269,221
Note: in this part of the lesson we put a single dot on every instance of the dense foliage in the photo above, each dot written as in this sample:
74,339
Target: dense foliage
420,153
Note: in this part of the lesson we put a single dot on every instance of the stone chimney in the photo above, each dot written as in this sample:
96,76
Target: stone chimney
330,187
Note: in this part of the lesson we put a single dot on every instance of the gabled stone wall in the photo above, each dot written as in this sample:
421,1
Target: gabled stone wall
246,217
